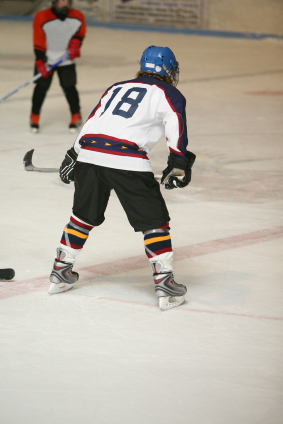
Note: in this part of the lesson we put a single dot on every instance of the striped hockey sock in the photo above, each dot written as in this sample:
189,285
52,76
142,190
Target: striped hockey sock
75,235
157,241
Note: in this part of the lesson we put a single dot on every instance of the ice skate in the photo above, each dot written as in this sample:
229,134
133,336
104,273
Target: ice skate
76,121
62,277
169,293
34,123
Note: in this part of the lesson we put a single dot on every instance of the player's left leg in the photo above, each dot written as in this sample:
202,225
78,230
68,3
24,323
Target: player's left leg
42,85
68,79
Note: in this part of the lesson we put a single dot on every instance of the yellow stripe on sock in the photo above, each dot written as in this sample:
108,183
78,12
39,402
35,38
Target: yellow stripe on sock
156,239
75,233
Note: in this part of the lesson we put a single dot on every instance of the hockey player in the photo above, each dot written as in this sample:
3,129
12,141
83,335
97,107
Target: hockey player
111,153
57,31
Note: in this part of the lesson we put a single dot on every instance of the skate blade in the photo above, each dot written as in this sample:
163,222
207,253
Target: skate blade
170,302
59,288
34,130
73,130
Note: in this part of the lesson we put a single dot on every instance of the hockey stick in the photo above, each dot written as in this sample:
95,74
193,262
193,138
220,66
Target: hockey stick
36,77
28,166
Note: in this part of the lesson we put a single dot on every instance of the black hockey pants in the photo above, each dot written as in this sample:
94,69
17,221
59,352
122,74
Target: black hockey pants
138,192
67,78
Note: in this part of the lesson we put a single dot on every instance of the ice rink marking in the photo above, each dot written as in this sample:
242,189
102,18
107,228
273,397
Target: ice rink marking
11,289
183,308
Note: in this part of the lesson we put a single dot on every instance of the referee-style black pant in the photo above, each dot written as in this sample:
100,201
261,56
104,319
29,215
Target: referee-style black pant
67,78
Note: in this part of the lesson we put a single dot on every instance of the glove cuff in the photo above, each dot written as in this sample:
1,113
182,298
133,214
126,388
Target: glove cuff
182,163
72,153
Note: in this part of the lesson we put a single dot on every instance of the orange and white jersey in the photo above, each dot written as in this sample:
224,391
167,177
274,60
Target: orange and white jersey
51,35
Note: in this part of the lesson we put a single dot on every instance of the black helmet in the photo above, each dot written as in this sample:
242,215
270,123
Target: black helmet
61,10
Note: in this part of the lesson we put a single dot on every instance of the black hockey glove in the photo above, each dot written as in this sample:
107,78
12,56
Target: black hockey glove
67,167
178,172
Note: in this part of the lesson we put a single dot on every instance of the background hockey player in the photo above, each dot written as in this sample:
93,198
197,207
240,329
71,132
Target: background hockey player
111,153
57,31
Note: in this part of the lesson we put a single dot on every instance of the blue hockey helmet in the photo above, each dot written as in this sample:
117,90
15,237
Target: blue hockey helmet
160,61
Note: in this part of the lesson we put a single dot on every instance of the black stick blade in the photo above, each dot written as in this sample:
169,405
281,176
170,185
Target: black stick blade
28,161
7,274
29,166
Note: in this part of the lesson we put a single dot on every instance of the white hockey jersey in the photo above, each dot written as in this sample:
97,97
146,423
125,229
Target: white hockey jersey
129,120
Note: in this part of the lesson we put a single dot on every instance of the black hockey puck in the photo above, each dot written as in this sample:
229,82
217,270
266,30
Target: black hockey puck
7,274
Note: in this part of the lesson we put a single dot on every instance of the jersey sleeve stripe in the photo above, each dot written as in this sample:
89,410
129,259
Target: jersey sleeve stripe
94,111
175,152
178,116
174,110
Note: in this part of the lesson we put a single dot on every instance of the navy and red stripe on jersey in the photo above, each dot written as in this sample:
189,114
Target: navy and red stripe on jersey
111,145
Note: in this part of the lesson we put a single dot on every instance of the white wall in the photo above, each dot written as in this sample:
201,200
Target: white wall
259,16
19,7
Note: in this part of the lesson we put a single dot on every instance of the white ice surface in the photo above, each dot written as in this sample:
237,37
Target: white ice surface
104,352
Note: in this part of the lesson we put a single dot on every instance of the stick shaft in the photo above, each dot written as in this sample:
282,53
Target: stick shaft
36,77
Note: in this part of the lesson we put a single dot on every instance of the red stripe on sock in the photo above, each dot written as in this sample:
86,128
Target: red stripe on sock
164,226
168,249
159,252
88,227
73,246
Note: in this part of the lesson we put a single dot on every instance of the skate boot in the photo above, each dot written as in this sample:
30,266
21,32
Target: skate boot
76,121
34,120
62,277
170,293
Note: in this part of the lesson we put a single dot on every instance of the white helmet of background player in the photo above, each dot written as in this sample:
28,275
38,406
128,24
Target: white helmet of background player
160,61
62,6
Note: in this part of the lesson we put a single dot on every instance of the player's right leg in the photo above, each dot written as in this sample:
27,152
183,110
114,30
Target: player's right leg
74,236
39,93
90,202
